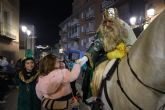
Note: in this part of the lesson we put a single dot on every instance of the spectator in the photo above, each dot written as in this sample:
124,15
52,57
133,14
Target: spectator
3,90
4,63
53,87
27,98
11,72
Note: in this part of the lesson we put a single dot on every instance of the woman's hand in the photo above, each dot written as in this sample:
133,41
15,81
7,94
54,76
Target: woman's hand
82,60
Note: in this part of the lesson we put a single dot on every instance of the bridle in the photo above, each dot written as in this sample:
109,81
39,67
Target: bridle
136,76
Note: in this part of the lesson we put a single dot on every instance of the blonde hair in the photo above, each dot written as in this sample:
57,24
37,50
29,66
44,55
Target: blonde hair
113,34
47,64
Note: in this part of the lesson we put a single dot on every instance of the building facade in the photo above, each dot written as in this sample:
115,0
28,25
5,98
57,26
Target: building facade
9,29
157,5
27,40
78,30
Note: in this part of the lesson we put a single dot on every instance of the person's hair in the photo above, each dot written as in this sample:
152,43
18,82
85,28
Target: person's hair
113,34
47,64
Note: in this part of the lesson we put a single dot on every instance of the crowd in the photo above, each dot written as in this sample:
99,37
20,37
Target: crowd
7,75
48,83
39,84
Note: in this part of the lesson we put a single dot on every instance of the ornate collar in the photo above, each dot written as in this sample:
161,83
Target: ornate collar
28,80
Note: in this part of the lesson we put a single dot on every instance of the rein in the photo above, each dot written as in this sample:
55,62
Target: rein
119,84
104,84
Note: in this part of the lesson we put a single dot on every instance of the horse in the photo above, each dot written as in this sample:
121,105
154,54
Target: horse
138,82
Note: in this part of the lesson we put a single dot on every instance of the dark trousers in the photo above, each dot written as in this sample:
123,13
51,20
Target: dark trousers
3,87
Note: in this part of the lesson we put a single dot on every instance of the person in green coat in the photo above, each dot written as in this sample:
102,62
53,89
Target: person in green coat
113,40
27,98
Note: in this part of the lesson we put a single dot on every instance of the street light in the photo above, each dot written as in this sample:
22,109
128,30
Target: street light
133,20
150,12
61,50
28,32
24,29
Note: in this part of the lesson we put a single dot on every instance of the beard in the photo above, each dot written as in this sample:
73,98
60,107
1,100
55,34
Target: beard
112,35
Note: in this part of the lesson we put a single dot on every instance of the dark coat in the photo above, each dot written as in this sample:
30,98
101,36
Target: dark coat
27,98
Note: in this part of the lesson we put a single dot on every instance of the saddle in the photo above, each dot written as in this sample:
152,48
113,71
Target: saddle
98,104
100,73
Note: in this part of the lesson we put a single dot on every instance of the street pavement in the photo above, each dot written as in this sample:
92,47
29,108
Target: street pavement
11,101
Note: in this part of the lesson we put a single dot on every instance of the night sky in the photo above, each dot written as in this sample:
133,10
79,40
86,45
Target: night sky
46,15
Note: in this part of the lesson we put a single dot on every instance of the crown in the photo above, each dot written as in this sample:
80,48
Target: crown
110,13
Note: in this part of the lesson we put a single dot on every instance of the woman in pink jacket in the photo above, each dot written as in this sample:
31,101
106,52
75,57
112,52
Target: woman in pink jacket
53,87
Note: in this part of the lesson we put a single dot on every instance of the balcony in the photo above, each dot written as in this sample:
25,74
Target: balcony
90,15
90,29
75,36
7,35
64,40
63,33
74,22
90,32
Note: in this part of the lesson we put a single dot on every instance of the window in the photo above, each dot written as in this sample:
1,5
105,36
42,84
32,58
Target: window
69,34
69,45
82,28
0,15
75,29
85,42
91,39
82,42
82,15
91,26
6,19
65,46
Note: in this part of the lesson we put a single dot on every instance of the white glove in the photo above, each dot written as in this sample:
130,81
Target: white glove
82,60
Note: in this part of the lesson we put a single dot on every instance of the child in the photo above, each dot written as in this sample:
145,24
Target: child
27,98
53,86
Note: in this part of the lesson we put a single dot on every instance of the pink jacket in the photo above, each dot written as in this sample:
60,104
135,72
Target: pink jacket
57,83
